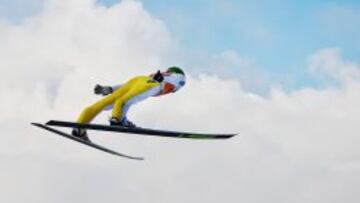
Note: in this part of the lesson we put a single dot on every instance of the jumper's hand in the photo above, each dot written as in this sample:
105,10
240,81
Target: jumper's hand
103,90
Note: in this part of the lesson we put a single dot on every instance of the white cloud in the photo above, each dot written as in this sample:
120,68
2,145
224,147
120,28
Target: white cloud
328,63
293,147
229,65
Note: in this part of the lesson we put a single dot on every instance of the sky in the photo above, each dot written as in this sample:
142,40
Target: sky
284,75
273,37
277,35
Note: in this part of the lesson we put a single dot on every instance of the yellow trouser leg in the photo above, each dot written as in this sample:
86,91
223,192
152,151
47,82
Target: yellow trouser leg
121,96
118,108
90,112
118,98
93,110
135,87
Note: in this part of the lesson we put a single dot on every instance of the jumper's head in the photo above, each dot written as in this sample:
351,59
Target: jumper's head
174,79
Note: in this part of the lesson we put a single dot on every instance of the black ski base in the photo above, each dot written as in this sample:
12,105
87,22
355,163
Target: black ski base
141,131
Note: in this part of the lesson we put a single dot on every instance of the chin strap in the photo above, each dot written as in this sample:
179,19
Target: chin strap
158,77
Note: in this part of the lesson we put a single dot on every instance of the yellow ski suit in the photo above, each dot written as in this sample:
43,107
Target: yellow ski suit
131,89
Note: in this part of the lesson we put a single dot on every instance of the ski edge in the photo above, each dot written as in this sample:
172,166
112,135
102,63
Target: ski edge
93,145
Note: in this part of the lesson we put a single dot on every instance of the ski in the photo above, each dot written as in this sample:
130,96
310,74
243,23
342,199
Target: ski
90,144
142,131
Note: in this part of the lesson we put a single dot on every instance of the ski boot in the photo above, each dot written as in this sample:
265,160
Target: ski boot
80,133
124,123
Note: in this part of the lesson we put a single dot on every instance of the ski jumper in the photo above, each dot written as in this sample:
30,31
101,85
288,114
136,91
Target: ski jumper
133,91
120,98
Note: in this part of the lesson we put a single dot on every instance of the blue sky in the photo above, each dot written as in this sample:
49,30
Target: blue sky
278,35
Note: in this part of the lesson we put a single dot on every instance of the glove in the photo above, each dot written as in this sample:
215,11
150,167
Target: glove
103,90
158,77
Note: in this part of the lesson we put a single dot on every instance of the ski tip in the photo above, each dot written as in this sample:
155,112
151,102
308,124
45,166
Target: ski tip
130,157
228,136
233,135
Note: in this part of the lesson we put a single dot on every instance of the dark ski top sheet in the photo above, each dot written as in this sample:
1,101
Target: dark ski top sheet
90,144
143,131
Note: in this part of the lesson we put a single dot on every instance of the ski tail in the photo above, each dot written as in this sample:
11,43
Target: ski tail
90,144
